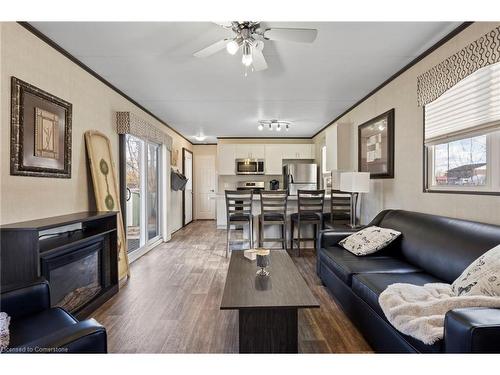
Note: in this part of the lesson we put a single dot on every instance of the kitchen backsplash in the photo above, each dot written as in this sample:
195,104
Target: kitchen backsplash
229,182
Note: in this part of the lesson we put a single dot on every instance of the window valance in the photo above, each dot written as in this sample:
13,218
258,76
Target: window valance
478,54
128,123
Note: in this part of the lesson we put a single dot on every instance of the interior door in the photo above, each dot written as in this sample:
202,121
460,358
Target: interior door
205,178
187,167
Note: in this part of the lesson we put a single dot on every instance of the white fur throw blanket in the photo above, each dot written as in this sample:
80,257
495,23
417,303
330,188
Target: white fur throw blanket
4,331
419,311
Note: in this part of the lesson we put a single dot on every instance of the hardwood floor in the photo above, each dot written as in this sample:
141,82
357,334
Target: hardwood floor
171,303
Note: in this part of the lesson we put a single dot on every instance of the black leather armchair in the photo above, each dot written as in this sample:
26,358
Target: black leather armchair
35,327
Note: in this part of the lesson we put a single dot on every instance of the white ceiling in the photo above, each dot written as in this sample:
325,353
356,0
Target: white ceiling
307,84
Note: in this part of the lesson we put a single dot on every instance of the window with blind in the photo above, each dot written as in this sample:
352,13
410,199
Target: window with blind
462,135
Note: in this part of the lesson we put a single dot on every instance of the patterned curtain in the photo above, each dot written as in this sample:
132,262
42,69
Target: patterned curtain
128,123
480,53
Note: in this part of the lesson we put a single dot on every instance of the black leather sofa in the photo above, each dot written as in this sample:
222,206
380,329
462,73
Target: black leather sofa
35,327
430,249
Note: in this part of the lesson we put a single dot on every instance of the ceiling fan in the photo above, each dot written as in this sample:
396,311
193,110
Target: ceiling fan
250,36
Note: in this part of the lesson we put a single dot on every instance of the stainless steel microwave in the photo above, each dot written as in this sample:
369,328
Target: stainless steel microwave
249,166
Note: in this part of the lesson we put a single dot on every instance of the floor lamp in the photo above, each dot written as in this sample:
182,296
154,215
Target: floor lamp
354,183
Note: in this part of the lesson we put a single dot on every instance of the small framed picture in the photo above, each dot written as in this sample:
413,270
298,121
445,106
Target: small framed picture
40,143
376,146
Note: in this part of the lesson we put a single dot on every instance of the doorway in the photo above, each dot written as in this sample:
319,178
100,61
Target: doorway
205,181
142,159
187,193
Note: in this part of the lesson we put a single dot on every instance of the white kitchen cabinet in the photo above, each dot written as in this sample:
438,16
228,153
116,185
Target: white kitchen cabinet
305,151
338,147
249,151
275,153
226,155
221,211
298,151
272,153
274,158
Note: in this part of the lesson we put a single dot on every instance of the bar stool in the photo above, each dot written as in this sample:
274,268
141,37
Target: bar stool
340,210
310,204
239,212
273,204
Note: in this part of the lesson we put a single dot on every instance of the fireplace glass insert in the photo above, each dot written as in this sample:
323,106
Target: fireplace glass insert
74,277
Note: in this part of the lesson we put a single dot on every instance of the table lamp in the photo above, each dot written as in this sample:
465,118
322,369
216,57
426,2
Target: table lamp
354,183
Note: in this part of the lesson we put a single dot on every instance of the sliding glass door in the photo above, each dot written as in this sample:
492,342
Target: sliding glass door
152,192
143,198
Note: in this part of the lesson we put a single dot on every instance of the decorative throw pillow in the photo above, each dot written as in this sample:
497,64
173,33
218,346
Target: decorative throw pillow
4,331
482,277
369,240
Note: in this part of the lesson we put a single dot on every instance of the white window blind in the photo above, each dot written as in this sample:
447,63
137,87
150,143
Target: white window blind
471,105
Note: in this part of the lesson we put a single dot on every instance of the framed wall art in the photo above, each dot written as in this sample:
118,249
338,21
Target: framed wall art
40,139
376,146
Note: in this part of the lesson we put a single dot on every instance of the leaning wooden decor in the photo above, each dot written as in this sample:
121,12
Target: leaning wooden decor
106,189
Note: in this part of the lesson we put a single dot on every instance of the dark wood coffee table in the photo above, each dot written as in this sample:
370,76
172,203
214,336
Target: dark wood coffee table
268,306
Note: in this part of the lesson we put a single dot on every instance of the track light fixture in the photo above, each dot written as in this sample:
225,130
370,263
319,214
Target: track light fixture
273,125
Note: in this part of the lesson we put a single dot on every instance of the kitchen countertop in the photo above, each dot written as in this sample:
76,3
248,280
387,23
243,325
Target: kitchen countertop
256,197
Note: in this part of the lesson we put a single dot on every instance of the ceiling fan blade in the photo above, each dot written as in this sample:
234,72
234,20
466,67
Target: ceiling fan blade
225,24
258,59
291,35
211,49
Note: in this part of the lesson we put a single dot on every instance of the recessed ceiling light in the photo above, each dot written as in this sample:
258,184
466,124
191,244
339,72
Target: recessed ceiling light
200,137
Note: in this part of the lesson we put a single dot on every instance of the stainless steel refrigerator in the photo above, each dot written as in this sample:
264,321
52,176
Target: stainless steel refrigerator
300,176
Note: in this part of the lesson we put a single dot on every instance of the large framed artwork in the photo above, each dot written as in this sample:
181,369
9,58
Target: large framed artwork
40,139
376,146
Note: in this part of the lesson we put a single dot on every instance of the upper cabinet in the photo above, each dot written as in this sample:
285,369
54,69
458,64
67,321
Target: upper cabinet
276,153
298,151
272,153
250,151
226,155
338,147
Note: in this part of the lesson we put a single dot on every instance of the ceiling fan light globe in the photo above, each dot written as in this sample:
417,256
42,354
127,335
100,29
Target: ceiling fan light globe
246,60
232,47
260,127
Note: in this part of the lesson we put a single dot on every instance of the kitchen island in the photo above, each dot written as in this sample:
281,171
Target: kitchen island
270,230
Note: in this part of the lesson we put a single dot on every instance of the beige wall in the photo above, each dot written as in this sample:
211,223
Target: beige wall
405,190
26,57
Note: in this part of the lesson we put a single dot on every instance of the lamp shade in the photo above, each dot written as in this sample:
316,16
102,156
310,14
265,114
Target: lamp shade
355,182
